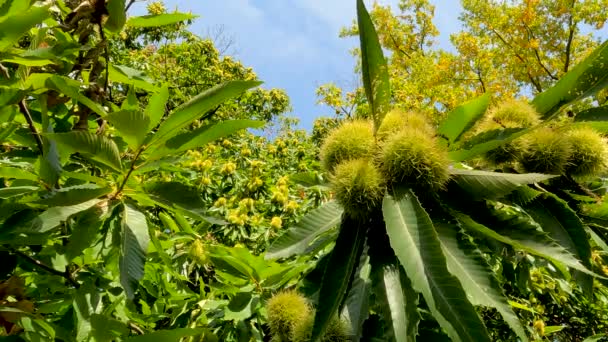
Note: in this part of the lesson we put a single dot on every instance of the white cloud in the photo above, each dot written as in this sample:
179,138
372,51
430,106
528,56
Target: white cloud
337,13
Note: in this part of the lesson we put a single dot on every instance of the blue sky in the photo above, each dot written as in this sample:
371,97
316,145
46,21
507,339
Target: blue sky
294,44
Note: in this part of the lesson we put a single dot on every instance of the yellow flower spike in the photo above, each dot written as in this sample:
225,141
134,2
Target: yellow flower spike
539,326
206,181
276,222
228,168
220,202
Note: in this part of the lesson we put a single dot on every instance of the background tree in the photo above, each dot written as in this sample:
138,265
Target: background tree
509,49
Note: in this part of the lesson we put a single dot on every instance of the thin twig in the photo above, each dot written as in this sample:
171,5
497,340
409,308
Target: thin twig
131,169
67,275
524,61
26,113
28,117
571,29
136,328
129,5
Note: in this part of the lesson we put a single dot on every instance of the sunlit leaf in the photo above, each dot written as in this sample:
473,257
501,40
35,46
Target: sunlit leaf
373,66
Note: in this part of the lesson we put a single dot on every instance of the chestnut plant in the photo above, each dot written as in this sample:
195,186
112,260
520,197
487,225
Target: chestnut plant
434,228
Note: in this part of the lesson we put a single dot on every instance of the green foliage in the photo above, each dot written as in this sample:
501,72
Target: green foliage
135,205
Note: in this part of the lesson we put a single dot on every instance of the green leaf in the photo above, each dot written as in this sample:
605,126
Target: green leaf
307,179
7,130
159,19
462,118
133,248
155,109
31,223
50,161
187,113
127,75
71,88
27,61
85,230
203,135
338,274
93,146
373,66
491,185
486,142
564,226
17,24
87,302
166,335
586,78
117,16
17,191
595,338
522,235
132,125
415,242
299,237
106,328
593,114
176,195
15,173
356,305
466,262
397,302
74,195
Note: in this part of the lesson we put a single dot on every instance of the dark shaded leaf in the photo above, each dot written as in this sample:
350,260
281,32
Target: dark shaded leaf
338,274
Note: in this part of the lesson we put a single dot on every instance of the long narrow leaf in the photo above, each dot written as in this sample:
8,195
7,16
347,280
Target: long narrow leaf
373,66
133,248
522,235
193,109
159,19
462,118
564,226
467,264
356,305
297,238
586,78
492,185
418,249
202,136
337,276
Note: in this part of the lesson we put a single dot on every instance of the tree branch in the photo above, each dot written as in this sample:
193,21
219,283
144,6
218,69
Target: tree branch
26,113
28,117
571,29
131,2
532,80
67,275
537,54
